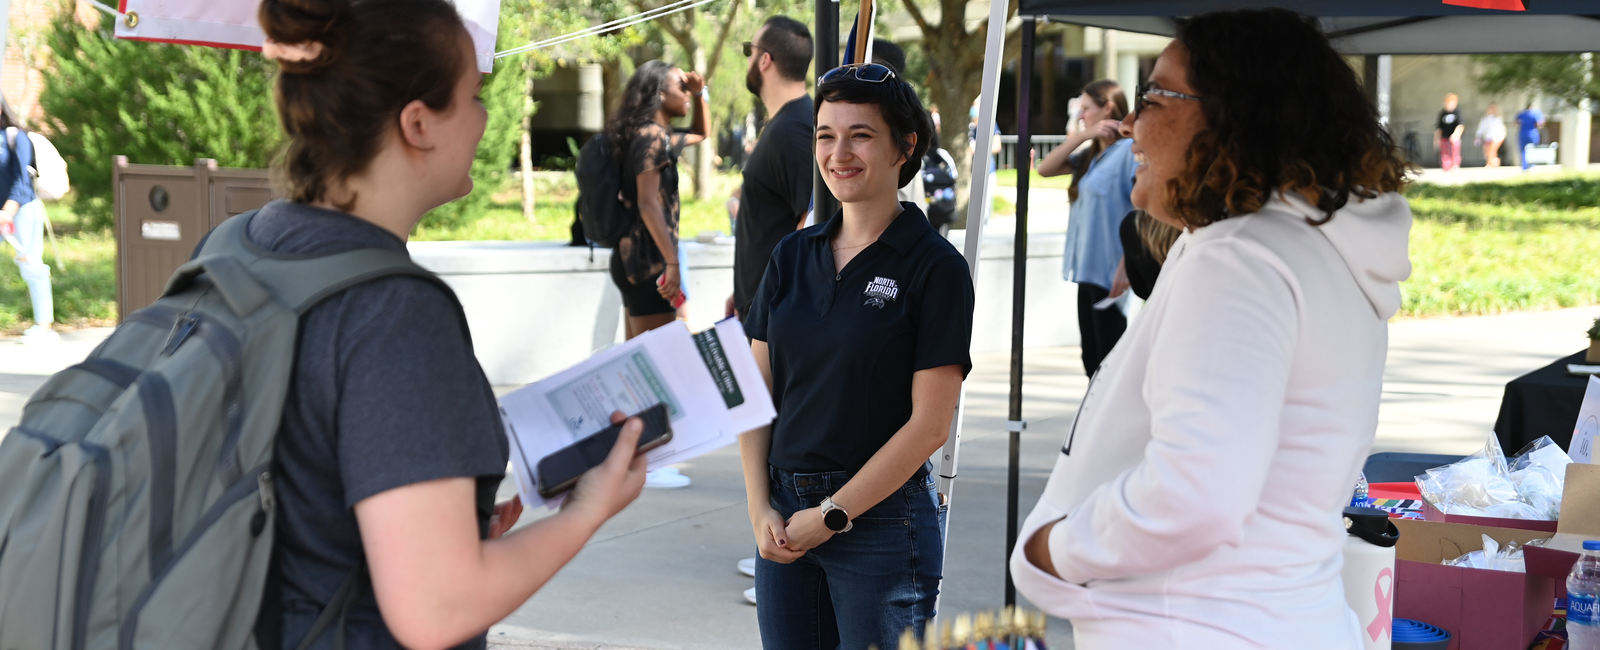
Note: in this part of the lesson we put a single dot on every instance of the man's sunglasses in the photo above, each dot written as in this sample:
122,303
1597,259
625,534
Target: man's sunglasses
750,48
1148,89
868,72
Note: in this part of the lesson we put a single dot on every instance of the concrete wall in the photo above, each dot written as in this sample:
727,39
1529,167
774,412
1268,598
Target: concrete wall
538,307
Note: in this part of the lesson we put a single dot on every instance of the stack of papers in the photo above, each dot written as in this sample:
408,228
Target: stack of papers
709,381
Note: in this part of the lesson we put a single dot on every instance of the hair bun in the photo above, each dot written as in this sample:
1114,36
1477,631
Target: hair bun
306,21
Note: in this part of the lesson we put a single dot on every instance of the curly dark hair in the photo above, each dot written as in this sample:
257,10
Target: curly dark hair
640,101
1283,112
901,109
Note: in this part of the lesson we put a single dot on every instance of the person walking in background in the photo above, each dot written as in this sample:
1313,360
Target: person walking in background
1491,134
1102,177
1447,132
645,265
776,189
22,219
861,326
1529,121
1196,502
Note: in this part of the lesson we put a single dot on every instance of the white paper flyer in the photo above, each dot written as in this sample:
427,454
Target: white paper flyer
709,381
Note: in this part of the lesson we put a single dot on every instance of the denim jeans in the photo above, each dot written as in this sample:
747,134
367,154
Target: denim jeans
861,587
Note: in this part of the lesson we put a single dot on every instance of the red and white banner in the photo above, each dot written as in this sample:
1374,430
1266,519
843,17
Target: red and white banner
232,23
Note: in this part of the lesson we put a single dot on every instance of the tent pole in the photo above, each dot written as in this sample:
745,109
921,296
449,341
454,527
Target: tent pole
979,196
826,35
1019,279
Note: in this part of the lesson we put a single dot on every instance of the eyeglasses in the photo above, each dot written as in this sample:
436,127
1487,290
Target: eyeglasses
1148,89
750,48
868,72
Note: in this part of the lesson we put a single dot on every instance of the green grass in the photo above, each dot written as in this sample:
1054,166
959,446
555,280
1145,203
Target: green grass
1008,177
85,290
1475,249
1497,247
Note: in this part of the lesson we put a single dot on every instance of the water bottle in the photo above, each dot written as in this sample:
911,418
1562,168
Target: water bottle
1583,589
1368,574
1359,498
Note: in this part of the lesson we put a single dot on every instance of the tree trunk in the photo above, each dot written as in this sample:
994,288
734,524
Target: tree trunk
955,80
707,149
527,141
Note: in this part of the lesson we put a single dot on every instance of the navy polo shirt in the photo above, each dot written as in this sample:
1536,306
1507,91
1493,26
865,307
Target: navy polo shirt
845,343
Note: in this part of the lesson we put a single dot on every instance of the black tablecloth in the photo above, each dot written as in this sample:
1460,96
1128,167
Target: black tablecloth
1544,402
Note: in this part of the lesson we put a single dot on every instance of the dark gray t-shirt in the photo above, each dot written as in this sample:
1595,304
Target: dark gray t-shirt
386,392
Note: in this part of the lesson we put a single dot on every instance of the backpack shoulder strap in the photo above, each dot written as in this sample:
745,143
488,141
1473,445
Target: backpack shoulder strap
299,281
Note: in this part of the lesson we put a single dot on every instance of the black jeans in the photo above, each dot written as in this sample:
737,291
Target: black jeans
1098,329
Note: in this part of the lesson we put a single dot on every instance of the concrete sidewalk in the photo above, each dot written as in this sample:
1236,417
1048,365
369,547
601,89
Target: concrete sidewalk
661,575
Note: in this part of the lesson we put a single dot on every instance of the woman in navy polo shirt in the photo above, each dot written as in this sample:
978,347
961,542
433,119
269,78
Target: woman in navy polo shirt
862,326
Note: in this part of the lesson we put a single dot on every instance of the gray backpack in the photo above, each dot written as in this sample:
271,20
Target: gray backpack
136,500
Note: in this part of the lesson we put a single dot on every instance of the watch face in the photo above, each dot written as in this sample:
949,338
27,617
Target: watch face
835,520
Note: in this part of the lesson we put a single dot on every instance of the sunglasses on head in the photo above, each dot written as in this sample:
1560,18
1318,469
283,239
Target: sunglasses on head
750,48
868,72
1139,98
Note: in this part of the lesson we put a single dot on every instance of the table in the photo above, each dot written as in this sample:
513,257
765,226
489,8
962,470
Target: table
1544,402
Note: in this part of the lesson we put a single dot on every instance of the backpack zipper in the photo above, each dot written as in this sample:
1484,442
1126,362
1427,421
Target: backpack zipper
181,329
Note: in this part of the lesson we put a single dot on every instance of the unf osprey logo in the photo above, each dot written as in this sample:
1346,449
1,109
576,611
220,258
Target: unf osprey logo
880,291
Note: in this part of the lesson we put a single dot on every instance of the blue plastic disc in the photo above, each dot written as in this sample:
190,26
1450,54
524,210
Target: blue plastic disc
1409,631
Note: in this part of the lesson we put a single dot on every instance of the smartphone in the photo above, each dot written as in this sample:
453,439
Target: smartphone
561,470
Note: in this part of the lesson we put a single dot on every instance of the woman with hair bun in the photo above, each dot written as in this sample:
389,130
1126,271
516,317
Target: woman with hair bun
1196,501
391,448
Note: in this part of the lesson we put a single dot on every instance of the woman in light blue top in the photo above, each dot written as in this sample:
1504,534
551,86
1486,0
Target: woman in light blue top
1102,178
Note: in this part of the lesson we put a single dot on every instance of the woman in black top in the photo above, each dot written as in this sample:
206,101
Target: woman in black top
391,446
644,265
862,325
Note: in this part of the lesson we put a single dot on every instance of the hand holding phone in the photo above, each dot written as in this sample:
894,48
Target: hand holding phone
561,470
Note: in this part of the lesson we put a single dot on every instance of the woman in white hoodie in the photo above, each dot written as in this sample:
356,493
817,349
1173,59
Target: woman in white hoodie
1196,502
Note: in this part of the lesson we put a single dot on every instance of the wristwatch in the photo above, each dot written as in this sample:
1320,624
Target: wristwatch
834,517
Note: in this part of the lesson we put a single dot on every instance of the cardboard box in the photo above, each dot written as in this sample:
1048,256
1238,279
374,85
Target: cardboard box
1580,520
1482,609
1431,513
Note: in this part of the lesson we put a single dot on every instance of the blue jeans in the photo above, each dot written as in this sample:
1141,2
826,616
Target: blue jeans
861,587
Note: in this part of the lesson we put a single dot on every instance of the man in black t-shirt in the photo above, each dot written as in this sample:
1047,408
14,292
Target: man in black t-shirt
777,176
1447,132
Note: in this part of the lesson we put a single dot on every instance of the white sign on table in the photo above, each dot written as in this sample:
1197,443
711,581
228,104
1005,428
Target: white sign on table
1588,426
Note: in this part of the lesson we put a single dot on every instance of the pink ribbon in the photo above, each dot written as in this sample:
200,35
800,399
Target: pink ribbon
1384,621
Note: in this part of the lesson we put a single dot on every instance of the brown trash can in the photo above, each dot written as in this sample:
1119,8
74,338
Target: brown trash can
162,211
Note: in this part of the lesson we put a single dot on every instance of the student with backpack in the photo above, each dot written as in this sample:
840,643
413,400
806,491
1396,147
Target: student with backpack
645,264
296,442
22,218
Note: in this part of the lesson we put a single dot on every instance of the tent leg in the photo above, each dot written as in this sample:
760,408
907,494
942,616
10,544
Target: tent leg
1019,279
826,35
978,197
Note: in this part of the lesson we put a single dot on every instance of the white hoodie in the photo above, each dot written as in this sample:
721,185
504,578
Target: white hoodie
1204,475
